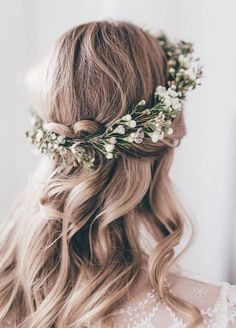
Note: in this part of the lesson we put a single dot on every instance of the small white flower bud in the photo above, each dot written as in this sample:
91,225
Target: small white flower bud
138,140
109,155
130,139
172,93
141,103
184,60
113,140
160,90
167,102
132,124
127,117
53,136
170,131
154,136
141,135
109,147
147,111
171,70
177,106
119,129
39,135
60,140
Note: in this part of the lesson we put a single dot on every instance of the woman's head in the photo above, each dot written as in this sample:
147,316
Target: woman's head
79,249
98,71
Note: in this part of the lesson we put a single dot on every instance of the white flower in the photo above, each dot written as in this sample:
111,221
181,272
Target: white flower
109,155
113,140
184,60
172,92
167,101
119,129
131,123
133,134
160,91
147,111
53,136
129,139
176,104
39,135
136,136
160,117
171,70
140,135
141,103
127,117
109,147
154,136
170,131
60,140
33,120
138,140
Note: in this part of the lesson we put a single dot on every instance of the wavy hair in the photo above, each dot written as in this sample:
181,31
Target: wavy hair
72,250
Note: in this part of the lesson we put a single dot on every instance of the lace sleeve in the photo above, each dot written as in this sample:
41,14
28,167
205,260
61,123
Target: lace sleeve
231,301
144,308
216,300
223,313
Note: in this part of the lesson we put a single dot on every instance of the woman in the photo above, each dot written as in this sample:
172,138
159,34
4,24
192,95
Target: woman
107,113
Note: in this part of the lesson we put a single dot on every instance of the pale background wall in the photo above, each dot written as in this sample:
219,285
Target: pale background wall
204,168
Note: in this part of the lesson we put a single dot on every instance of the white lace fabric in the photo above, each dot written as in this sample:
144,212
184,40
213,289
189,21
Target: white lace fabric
144,309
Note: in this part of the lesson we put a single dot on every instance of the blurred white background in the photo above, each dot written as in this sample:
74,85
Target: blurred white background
205,166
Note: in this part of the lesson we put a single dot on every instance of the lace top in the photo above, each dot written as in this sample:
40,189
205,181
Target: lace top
144,309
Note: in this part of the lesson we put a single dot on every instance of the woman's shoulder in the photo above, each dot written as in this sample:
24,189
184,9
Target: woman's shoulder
216,301
194,286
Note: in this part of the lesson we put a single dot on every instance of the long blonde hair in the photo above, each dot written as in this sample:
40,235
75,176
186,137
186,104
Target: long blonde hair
72,250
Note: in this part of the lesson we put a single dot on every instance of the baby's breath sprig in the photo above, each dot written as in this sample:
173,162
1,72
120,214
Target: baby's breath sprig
56,145
184,71
154,123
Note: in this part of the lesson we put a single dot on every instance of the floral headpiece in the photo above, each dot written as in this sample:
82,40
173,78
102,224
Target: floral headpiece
183,75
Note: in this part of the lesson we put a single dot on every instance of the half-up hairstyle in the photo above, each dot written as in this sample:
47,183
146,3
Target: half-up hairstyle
73,250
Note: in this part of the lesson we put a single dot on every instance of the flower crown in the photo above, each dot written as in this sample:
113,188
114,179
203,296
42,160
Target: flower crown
155,123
